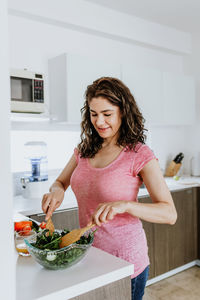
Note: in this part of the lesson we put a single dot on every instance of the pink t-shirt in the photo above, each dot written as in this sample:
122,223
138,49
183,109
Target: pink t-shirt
123,236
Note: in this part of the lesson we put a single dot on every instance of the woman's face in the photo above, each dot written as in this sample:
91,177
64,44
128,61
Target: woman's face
105,117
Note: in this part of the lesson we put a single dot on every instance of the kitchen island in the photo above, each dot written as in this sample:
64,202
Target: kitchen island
98,276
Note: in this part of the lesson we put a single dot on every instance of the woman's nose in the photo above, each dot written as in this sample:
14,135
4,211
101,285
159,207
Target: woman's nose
100,121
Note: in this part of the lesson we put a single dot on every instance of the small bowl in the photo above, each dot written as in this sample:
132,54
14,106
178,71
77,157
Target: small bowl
20,244
61,258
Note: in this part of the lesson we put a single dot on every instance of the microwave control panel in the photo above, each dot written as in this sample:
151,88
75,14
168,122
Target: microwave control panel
38,91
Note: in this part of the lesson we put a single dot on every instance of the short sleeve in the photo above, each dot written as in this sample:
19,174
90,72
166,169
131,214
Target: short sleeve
142,156
77,155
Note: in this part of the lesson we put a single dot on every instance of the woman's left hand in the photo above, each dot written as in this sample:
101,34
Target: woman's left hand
106,212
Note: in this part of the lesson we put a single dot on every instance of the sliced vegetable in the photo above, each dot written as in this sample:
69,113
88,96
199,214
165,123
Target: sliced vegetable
26,230
43,225
20,225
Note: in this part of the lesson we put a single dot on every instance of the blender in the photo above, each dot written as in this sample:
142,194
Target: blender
35,180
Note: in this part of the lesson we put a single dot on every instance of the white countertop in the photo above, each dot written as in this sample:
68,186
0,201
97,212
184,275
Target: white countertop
95,270
30,207
184,182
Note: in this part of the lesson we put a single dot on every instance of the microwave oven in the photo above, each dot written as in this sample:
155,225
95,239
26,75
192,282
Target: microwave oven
27,91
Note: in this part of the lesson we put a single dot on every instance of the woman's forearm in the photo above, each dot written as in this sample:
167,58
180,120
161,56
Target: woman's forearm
57,185
160,212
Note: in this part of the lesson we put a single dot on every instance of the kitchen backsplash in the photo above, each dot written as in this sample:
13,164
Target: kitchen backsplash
166,142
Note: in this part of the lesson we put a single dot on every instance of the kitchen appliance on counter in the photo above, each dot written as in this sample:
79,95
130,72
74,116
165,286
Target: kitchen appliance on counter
195,164
27,91
35,180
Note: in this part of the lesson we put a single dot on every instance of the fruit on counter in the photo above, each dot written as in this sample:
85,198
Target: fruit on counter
19,226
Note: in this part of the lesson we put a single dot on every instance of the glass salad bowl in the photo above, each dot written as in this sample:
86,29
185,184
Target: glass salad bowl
59,258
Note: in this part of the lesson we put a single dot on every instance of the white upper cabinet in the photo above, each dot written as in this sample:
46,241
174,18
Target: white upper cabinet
146,87
69,76
178,99
163,98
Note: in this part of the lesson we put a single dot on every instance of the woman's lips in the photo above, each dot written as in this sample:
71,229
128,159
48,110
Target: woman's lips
103,129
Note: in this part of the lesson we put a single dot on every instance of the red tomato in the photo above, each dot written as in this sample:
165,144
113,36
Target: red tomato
20,225
43,225
26,230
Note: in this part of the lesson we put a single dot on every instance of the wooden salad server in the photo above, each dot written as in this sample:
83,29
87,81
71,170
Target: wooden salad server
74,235
50,226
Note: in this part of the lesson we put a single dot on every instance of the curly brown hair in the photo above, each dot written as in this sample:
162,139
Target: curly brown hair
132,126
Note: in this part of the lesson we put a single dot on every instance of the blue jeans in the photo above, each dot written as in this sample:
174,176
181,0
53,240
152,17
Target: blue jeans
138,284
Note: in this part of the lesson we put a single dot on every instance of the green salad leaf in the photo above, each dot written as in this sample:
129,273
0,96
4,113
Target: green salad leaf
49,241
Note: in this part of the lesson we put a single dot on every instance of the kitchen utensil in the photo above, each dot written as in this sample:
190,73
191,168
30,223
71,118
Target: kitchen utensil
61,258
178,158
74,236
50,226
172,169
174,165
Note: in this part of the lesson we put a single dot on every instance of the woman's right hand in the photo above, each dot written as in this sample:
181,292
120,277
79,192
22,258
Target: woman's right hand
51,201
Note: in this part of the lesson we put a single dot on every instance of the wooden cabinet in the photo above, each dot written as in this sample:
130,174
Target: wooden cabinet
62,219
120,289
183,235
171,246
69,76
198,221
149,230
177,245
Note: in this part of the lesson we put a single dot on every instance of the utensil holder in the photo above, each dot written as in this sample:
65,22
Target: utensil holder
172,169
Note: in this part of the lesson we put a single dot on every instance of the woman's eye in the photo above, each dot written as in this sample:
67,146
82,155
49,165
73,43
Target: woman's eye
107,115
93,115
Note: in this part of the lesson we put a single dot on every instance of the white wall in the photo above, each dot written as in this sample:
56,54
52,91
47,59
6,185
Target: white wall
60,146
33,41
7,274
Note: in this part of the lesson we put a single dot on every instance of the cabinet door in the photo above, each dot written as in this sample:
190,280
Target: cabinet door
198,221
176,245
62,219
69,76
178,99
149,230
146,87
183,235
81,72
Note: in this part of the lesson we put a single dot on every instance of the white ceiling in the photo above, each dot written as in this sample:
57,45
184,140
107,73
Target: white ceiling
180,14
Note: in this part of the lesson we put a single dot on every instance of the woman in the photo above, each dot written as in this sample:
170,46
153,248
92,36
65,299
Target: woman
105,173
